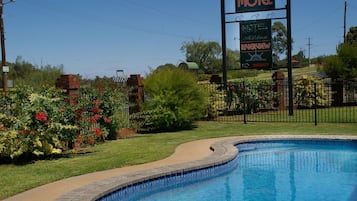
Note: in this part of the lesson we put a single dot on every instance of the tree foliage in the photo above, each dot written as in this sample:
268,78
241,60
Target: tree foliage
351,37
279,40
24,73
342,66
208,56
205,54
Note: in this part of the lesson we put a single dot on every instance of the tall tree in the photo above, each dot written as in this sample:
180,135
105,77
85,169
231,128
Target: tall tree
279,40
205,54
351,37
208,57
342,66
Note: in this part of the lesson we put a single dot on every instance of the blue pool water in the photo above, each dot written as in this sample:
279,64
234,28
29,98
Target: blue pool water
275,171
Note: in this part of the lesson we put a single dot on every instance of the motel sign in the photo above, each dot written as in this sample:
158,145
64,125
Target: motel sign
254,5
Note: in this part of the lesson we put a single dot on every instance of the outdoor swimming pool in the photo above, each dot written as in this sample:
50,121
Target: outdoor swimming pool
267,170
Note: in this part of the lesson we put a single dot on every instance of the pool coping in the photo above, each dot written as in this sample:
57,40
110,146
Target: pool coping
223,151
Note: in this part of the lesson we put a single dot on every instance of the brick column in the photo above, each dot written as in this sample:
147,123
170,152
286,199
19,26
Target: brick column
70,85
278,77
136,93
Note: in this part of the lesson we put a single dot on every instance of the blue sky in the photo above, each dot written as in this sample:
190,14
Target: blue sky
96,38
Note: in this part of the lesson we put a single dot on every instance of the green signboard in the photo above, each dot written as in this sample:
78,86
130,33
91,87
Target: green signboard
255,44
254,5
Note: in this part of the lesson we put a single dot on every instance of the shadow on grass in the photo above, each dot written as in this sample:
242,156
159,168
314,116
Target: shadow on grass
27,159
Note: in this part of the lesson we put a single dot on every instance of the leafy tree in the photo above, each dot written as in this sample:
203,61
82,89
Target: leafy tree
351,37
343,66
165,67
300,56
233,59
205,54
25,73
208,56
279,40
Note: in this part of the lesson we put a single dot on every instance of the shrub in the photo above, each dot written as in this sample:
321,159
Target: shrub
304,92
216,100
175,99
99,114
343,66
256,95
33,123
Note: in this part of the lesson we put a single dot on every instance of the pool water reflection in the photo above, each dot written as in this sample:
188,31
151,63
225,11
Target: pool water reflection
279,171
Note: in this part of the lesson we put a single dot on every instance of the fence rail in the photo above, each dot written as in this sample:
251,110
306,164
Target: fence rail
268,102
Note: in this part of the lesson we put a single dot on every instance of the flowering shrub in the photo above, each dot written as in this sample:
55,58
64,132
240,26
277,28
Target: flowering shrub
97,113
43,123
256,95
35,123
304,92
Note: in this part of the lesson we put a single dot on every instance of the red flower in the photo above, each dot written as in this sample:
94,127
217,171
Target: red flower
93,120
107,120
97,116
90,140
95,110
41,116
96,102
98,131
79,139
79,114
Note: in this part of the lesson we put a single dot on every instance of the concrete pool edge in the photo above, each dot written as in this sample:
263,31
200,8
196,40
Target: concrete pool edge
223,151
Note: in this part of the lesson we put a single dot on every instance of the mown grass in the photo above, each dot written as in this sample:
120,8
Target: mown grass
142,149
323,115
266,74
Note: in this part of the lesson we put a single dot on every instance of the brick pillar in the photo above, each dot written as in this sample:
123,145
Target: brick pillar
70,86
136,93
278,78
337,95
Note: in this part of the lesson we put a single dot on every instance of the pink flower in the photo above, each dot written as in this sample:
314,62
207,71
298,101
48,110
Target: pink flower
96,102
107,120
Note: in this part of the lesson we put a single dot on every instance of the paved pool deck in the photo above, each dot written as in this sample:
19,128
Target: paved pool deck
187,156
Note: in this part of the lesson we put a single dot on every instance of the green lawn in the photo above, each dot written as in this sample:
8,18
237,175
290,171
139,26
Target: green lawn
266,75
144,148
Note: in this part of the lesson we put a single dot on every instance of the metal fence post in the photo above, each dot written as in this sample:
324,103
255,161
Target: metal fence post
244,104
315,96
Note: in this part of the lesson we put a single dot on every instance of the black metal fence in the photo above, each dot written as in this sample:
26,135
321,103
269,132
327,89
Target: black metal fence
268,102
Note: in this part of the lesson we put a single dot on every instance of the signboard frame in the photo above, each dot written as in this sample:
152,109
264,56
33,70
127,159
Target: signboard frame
256,44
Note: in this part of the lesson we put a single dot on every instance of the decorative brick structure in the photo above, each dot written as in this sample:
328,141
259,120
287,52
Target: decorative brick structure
278,77
70,85
136,93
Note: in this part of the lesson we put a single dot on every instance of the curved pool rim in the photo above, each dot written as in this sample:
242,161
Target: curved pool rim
224,150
